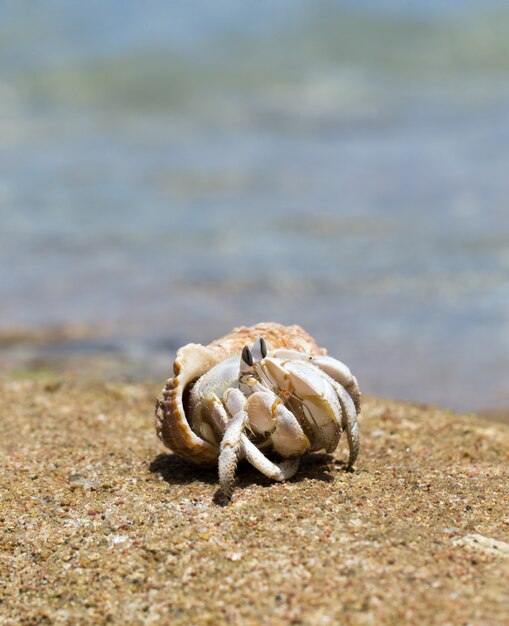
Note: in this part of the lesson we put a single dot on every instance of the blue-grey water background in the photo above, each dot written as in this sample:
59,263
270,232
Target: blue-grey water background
171,170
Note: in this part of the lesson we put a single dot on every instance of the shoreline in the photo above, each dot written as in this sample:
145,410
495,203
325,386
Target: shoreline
75,353
96,352
102,524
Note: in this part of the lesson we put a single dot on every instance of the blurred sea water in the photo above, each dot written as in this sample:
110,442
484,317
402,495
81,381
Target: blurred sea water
171,170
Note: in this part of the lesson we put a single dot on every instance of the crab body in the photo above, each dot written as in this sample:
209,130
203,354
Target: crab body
282,400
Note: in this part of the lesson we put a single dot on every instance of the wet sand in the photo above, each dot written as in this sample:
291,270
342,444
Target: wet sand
100,524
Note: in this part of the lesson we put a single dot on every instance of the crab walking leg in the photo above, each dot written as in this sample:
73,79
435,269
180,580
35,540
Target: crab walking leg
349,421
339,372
286,470
219,415
213,424
231,444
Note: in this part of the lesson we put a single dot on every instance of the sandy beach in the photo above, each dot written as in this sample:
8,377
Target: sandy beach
102,525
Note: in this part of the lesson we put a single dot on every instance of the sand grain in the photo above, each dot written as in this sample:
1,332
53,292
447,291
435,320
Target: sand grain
99,524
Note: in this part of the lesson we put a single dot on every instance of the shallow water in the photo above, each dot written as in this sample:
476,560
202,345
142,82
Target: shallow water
167,173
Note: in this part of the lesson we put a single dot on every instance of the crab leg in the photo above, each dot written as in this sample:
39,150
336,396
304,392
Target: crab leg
219,416
284,471
231,445
235,444
339,372
348,421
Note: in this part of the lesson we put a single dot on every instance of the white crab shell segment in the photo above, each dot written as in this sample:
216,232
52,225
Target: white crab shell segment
196,440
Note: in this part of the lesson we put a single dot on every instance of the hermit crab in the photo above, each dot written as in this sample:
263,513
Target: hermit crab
259,392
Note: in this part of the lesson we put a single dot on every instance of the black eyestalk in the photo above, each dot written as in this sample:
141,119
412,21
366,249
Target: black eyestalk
263,347
247,357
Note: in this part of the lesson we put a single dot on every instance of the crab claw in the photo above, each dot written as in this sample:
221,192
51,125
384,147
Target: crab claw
347,393
267,414
315,396
332,367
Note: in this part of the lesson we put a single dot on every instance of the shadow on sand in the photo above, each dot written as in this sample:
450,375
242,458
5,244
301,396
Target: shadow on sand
177,471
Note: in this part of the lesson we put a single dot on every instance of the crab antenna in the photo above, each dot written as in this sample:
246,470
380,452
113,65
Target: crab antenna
247,357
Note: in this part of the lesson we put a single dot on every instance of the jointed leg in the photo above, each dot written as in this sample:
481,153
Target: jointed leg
284,471
349,421
219,416
287,437
231,445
